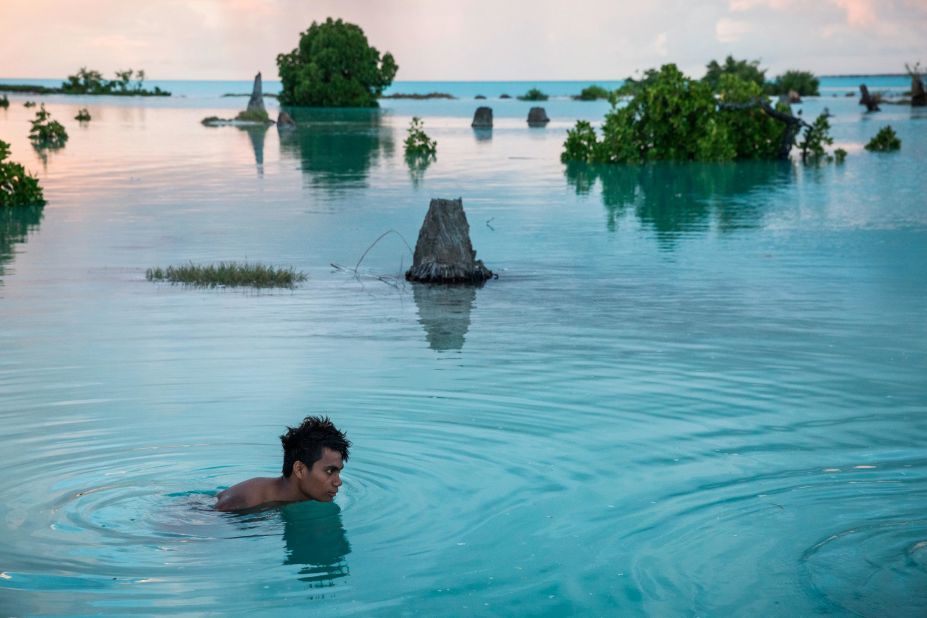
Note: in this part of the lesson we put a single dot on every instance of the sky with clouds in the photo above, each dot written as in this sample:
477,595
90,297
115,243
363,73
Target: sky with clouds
463,40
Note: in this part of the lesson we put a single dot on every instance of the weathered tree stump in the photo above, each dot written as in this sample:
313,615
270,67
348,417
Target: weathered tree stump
794,97
256,102
482,118
871,101
443,252
537,117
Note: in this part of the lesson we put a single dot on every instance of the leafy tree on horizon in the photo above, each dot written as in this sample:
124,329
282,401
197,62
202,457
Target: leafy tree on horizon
334,66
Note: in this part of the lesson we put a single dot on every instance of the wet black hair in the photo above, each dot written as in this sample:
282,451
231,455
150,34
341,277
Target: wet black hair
305,443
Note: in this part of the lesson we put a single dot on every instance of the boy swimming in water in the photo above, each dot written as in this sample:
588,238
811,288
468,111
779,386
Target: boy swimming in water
314,455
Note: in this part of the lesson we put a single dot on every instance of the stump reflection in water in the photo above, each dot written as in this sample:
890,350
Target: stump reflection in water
444,312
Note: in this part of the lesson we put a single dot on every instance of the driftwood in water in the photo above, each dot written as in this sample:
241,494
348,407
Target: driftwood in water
537,117
443,252
871,101
482,118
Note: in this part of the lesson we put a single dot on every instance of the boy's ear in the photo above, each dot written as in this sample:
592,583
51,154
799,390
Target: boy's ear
299,468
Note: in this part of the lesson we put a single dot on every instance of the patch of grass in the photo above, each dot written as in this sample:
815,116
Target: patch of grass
533,95
884,141
228,274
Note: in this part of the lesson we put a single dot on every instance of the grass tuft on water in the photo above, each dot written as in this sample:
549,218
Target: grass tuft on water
229,274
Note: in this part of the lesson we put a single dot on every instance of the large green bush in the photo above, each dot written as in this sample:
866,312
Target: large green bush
672,117
17,187
334,66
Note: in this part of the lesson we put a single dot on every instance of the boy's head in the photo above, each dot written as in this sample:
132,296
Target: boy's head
305,443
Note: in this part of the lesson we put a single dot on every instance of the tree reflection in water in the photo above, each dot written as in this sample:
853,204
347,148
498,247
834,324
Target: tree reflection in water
336,147
16,222
256,134
679,198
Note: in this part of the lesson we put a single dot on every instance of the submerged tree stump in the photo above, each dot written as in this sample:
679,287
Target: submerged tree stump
285,121
443,252
482,118
256,102
537,117
869,100
918,94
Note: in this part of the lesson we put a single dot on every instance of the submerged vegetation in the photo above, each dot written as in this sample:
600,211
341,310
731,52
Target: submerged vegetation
676,118
533,95
885,140
420,97
229,274
47,133
334,66
17,187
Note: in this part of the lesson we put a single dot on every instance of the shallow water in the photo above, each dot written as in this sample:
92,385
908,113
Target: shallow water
692,390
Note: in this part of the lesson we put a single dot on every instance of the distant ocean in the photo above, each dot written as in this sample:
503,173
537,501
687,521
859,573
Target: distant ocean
208,89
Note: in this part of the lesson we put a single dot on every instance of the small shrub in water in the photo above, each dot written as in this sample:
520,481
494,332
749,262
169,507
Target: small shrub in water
46,133
592,93
29,104
815,138
533,95
840,155
229,274
17,187
4,102
884,141
417,142
83,115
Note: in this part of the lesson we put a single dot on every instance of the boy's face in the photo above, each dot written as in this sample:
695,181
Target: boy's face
322,481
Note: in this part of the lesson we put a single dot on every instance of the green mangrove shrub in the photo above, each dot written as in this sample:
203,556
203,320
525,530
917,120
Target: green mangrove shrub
227,274
17,187
4,102
334,66
814,140
253,115
802,82
29,104
884,141
47,133
82,115
533,94
417,141
672,117
592,93
840,155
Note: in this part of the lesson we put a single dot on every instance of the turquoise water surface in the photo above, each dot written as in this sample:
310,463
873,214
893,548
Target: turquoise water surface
692,390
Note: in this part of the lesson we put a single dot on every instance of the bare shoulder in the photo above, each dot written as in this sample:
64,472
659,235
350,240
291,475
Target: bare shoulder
245,495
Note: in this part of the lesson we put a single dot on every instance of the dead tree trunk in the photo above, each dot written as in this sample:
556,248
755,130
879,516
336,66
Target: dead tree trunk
870,101
918,95
256,102
443,252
